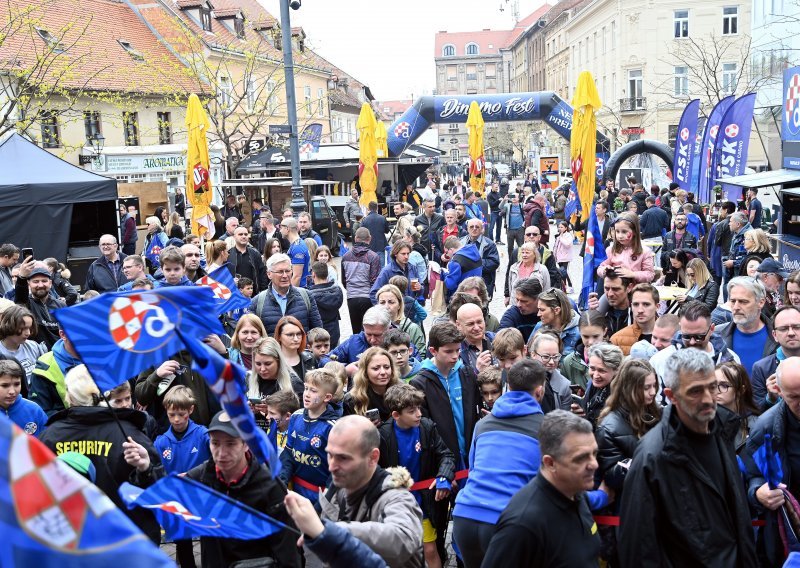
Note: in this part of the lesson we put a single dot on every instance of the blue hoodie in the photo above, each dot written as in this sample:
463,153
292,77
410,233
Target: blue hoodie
164,284
466,262
496,474
452,384
27,415
179,456
415,365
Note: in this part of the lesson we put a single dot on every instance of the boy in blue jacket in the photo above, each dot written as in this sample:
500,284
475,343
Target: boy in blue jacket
26,414
694,224
304,461
413,442
182,447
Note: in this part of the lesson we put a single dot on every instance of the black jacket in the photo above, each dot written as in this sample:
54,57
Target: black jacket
709,294
652,221
437,408
48,327
616,441
65,289
94,432
762,370
329,297
438,243
641,205
435,459
259,490
102,278
494,198
669,244
256,261
428,228
378,227
673,514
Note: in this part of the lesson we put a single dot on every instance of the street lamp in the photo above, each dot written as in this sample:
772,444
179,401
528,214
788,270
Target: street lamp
298,203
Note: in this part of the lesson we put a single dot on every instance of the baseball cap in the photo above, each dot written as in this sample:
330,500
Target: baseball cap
772,266
222,423
40,271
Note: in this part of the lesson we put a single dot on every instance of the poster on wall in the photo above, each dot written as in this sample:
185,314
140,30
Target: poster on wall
548,172
625,173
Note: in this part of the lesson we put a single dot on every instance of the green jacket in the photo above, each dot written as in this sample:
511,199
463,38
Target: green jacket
575,370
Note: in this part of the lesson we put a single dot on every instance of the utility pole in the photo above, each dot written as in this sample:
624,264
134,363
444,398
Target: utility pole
298,203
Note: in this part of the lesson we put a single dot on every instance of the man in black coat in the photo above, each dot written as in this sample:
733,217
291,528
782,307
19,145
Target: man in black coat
378,226
684,503
654,222
329,298
678,238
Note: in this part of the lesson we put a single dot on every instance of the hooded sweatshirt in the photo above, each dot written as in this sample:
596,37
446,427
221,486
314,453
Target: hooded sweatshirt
179,456
495,474
452,384
184,281
27,415
466,262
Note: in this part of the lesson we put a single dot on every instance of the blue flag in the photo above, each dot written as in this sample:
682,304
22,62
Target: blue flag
227,381
684,146
707,149
573,203
226,294
769,462
733,141
310,138
120,334
188,509
155,246
51,516
594,254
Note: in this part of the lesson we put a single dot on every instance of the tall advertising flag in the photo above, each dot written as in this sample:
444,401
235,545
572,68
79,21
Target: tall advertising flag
707,149
733,140
684,146
198,178
583,139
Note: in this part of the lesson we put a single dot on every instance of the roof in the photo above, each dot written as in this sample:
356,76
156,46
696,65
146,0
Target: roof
763,179
395,107
93,59
226,12
497,39
522,26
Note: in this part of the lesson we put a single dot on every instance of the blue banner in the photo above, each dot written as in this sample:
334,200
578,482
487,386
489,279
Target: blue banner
51,516
226,294
310,138
593,256
186,508
494,108
155,246
733,141
707,150
791,105
573,203
684,146
120,334
227,381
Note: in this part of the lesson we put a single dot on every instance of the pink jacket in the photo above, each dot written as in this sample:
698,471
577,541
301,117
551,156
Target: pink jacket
564,250
642,266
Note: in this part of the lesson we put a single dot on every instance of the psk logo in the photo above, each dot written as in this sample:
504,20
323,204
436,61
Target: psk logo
792,106
714,130
167,454
315,442
220,290
732,130
402,130
684,134
142,322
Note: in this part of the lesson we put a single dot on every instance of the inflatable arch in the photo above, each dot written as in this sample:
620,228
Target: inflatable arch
637,147
545,106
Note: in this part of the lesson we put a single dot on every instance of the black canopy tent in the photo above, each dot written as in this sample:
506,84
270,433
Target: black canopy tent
49,204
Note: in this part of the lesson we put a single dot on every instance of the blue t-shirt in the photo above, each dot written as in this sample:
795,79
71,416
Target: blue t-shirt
756,206
515,218
409,449
299,254
749,346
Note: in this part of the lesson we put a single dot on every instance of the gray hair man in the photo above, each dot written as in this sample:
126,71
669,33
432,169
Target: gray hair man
750,333
686,468
376,323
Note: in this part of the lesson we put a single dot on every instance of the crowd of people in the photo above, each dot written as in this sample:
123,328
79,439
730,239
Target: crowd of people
521,431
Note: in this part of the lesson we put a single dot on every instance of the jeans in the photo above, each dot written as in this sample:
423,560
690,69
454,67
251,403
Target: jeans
515,239
495,225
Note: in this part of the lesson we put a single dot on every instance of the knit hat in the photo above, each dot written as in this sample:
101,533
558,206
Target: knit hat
80,463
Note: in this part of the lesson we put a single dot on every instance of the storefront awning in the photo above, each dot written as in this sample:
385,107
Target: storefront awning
763,179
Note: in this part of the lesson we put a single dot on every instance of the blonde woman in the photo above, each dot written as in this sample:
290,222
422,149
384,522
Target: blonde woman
173,228
528,266
756,247
375,374
270,372
216,255
249,329
391,299
702,286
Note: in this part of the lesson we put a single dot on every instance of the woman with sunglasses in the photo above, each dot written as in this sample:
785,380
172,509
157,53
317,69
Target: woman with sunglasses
702,286
735,393
556,314
626,254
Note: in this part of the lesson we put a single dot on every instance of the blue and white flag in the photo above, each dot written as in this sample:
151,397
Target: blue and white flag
120,334
226,293
51,516
684,146
733,141
593,256
157,243
310,138
573,202
707,149
186,508
227,381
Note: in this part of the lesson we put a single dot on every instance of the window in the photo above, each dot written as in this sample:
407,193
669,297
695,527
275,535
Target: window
50,134
729,78
238,26
91,123
307,96
52,42
613,35
164,127
251,93
730,20
455,155
130,126
603,39
126,45
225,94
205,17
681,23
672,134
320,102
448,51
681,81
471,49
490,70
272,98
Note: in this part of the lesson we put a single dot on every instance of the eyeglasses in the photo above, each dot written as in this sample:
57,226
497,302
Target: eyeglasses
292,334
281,272
784,328
108,245
548,358
399,353
722,388
689,337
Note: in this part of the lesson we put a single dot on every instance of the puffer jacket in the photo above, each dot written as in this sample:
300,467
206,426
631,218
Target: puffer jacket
570,335
329,299
388,518
360,268
626,337
535,215
574,368
295,306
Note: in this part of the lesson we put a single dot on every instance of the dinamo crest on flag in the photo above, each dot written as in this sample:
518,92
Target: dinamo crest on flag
142,322
402,129
220,290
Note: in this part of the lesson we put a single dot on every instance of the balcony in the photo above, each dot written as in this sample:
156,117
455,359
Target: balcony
636,104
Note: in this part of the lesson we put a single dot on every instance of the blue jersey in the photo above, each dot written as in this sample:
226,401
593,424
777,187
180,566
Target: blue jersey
304,457
298,252
179,456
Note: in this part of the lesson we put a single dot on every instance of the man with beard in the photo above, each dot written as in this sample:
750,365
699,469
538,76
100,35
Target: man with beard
678,238
786,331
305,230
644,305
32,290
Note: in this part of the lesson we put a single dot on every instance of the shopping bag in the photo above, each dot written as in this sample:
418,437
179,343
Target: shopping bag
438,303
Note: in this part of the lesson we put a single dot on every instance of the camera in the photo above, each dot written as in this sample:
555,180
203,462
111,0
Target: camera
294,4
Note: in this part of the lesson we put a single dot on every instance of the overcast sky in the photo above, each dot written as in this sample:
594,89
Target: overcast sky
388,44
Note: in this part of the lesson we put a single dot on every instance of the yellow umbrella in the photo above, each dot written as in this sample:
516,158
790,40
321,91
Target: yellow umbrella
367,155
582,141
381,139
198,179
477,163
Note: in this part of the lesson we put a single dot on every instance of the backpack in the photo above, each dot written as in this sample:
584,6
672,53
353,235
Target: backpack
261,298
